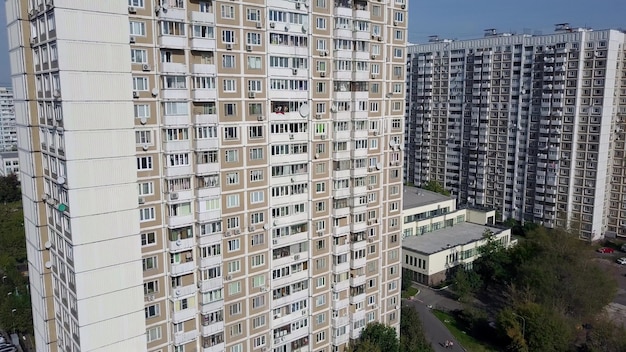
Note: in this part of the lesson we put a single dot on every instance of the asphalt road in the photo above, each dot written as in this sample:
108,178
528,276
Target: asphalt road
436,332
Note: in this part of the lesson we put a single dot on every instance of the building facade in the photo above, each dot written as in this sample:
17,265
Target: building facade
9,163
532,126
210,175
8,134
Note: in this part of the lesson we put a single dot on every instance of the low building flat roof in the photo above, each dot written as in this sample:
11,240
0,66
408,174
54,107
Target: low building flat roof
8,155
415,197
439,240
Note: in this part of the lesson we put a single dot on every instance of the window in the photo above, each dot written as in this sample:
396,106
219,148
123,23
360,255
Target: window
138,56
137,28
256,132
146,214
140,84
253,38
257,260
253,15
230,109
233,245
174,82
149,263
142,111
258,302
228,36
148,238
136,3
254,62
256,153
232,201
228,11
235,308
257,197
144,163
259,341
153,334
254,85
231,156
231,133
173,28
230,86
143,137
320,23
232,178
152,311
228,61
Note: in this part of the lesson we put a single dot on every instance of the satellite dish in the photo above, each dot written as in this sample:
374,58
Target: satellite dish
48,265
304,110
266,226
155,91
61,180
48,244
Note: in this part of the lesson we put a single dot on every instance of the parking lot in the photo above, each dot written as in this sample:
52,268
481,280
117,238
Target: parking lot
617,309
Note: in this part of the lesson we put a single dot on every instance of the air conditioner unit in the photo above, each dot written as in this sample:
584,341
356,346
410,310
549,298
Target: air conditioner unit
298,6
132,9
150,297
229,47
395,23
317,156
320,233
238,231
322,74
145,67
403,6
318,116
380,39
294,71
251,228
376,133
373,76
323,53
251,95
135,94
370,240
260,118
173,196
370,187
33,41
259,25
272,25
228,233
248,47
296,257
141,200
274,241
323,137
291,136
143,120
229,277
373,56
132,40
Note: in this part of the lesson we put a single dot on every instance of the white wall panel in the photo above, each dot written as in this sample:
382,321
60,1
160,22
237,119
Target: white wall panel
110,279
78,25
94,57
26,160
21,113
27,185
16,59
96,86
12,8
119,7
93,173
103,307
99,335
107,226
99,144
120,251
135,344
14,31
33,234
102,200
19,87
98,115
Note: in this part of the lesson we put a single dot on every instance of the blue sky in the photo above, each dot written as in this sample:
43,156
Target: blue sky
464,19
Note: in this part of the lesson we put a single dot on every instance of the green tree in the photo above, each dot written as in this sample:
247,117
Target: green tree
406,279
10,189
605,336
380,335
435,186
365,346
465,283
412,338
494,263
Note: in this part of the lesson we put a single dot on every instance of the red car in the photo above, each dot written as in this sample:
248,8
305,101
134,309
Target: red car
606,250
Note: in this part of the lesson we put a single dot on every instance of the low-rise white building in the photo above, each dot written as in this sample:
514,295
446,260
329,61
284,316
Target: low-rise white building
9,164
438,237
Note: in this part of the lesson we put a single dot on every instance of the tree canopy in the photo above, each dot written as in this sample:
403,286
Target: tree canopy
377,337
10,189
435,186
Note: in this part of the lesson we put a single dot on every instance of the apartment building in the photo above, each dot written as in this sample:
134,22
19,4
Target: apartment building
9,164
210,175
529,125
8,134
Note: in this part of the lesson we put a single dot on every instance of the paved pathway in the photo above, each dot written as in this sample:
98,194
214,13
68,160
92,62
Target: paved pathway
436,332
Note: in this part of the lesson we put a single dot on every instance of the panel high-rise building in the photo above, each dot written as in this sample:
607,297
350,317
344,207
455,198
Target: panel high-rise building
8,134
210,175
530,125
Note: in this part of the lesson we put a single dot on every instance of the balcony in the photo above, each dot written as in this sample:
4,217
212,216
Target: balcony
338,230
176,120
211,284
204,69
203,144
176,146
182,268
205,17
204,94
341,248
173,67
182,244
178,94
208,192
202,44
339,304
358,263
178,221
342,154
208,168
341,212
211,261
295,277
184,337
214,348
213,328
341,173
288,95
208,215
340,268
173,41
343,11
205,119
357,298
176,171
182,291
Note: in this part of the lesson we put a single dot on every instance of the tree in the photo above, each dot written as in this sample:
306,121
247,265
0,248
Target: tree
406,279
412,338
10,189
435,186
366,346
465,283
379,335
605,336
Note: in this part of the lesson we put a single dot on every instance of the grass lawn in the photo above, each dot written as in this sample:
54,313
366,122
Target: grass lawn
469,343
411,291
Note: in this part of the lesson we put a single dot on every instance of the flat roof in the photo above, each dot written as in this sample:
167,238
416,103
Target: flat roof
438,240
415,197
8,155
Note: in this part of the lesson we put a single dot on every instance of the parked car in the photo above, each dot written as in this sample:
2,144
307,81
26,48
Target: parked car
606,250
621,261
623,248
